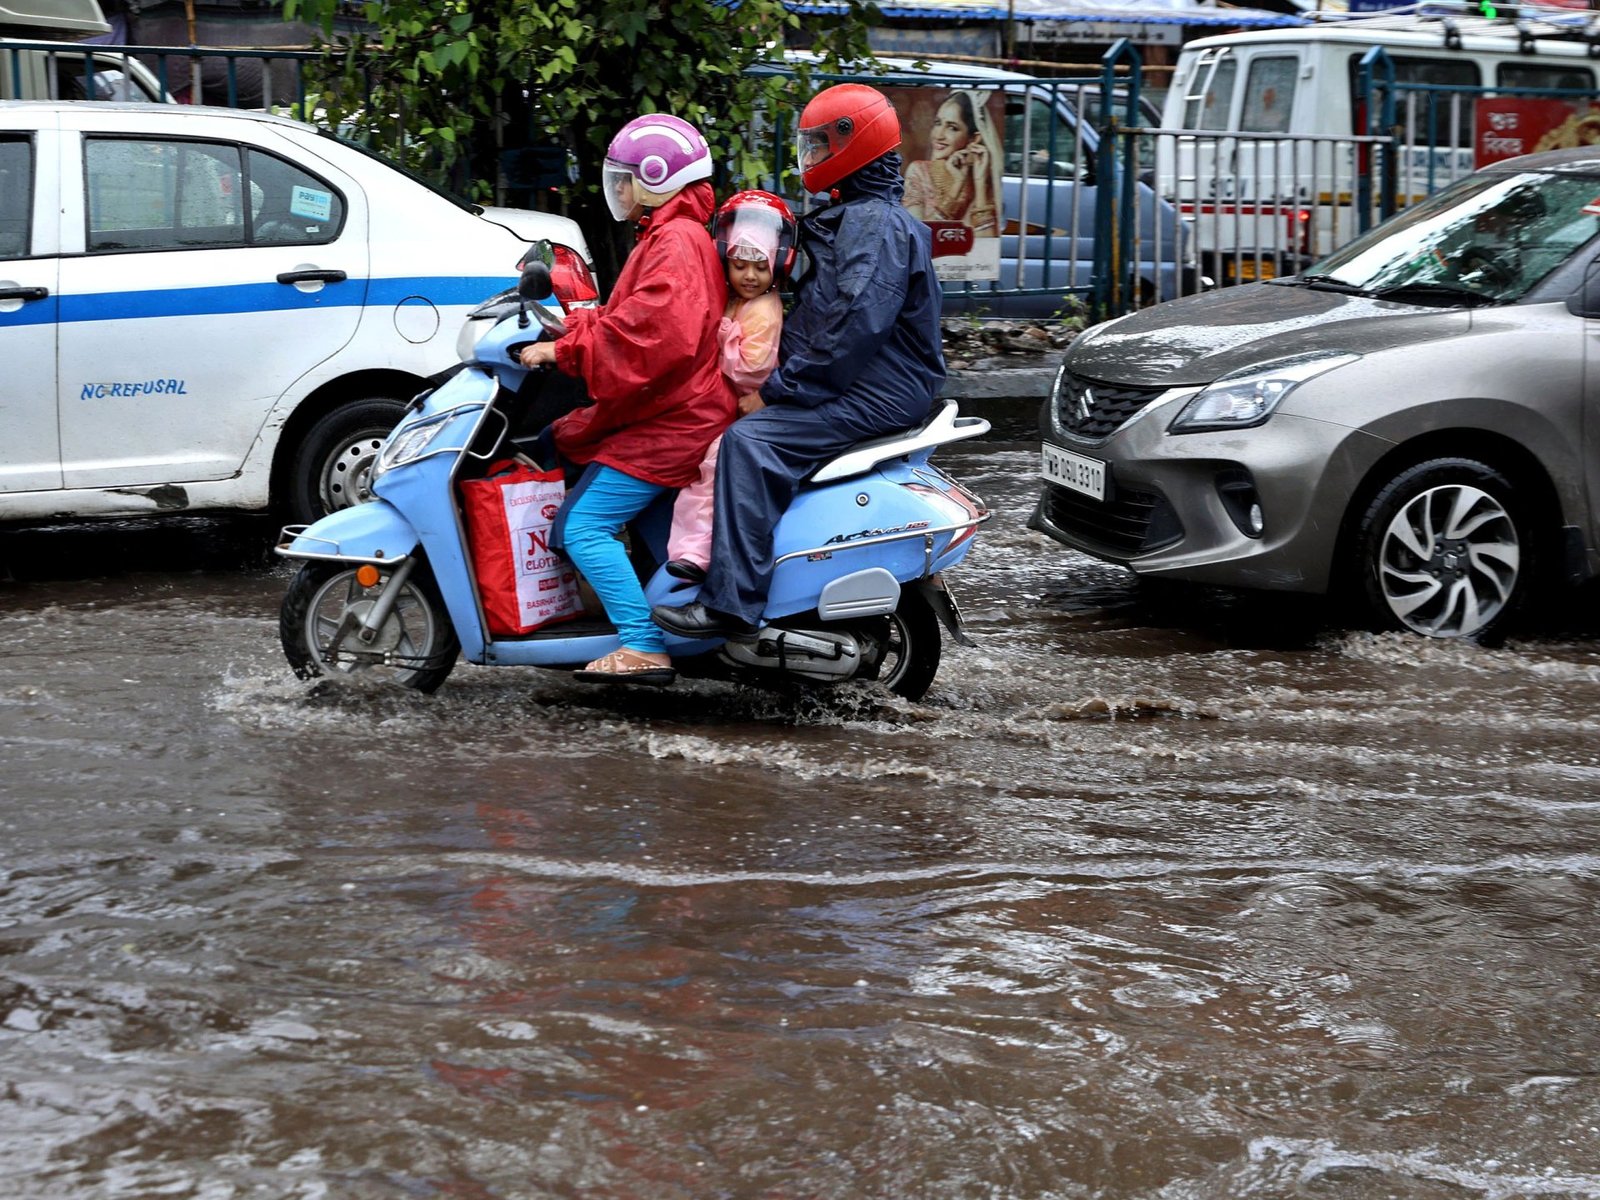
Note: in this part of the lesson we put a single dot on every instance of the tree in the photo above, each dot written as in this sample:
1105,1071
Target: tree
452,85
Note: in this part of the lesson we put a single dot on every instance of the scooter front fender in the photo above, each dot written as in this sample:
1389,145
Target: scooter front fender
374,532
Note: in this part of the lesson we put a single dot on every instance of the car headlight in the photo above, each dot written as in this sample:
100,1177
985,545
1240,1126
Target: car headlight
1247,398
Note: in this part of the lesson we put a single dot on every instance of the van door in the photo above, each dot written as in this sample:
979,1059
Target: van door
30,449
214,272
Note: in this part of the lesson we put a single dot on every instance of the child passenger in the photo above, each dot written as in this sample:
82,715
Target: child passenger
755,235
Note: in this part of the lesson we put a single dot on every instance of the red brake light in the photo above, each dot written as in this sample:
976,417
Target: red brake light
571,278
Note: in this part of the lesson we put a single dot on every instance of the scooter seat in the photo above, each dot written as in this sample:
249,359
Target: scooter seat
942,425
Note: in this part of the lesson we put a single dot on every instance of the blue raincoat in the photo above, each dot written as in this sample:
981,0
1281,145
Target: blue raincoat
860,358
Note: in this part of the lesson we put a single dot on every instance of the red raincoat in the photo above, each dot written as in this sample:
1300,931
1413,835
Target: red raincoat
650,356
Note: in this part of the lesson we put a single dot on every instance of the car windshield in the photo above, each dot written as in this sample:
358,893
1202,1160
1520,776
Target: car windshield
467,205
1487,240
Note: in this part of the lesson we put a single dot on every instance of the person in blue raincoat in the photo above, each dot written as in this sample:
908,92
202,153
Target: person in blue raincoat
860,357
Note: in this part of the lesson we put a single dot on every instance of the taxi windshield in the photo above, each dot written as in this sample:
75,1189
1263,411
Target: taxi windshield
1487,240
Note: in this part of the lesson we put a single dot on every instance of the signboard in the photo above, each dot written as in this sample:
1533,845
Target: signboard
951,148
1506,126
1102,33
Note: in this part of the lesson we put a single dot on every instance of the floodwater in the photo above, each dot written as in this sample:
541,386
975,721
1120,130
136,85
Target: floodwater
1155,895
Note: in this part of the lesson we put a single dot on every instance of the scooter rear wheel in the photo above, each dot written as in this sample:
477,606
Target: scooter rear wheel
416,640
911,653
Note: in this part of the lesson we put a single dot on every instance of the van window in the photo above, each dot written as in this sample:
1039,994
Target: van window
1528,75
290,205
162,195
16,196
1213,107
1044,123
1430,117
1269,94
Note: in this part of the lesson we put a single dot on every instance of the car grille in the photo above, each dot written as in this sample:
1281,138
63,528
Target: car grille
1126,523
1093,411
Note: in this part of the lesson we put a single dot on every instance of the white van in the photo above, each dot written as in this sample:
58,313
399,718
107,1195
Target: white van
1277,126
36,65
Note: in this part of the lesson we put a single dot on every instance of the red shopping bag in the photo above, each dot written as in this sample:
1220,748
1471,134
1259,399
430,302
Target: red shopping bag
523,582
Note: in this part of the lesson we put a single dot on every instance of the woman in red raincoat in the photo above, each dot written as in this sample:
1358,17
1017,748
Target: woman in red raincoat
649,359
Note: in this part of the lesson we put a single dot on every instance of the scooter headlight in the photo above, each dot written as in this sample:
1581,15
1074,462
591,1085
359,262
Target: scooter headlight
1247,398
405,445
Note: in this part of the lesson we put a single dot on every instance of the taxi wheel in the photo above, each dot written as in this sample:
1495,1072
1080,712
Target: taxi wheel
332,469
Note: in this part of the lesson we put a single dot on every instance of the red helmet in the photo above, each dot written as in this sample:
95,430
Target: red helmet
843,129
756,222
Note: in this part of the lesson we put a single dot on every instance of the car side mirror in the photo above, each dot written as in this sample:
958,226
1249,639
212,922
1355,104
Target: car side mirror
1585,302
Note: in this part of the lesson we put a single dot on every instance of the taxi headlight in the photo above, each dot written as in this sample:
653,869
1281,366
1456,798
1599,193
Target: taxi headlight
1247,398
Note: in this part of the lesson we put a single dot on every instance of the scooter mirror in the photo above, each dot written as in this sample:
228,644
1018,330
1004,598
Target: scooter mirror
535,282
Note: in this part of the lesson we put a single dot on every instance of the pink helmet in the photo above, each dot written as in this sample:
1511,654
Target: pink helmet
650,158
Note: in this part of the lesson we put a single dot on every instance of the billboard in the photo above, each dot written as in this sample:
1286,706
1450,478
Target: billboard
1509,126
951,148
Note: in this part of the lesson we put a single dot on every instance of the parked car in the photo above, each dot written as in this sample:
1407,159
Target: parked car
214,309
1411,422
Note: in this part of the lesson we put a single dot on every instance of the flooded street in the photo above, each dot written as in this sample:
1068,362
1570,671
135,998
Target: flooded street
1156,894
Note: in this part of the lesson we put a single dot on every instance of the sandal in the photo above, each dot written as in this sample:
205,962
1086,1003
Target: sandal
626,666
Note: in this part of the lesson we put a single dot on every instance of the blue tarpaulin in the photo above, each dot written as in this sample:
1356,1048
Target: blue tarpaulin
1138,12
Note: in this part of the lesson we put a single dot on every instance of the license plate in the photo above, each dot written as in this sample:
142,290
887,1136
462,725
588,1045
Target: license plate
1074,471
1250,269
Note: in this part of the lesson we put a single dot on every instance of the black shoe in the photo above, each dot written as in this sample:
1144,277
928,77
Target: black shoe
682,568
697,621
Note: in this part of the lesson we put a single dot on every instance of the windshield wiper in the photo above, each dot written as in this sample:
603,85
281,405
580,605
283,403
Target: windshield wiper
1422,292
1325,283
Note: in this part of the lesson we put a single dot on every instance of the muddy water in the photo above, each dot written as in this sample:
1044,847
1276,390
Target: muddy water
1155,895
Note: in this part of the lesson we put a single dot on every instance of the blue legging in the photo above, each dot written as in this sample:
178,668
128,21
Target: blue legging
606,500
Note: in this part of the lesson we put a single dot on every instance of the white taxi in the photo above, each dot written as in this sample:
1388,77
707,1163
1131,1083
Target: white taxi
206,309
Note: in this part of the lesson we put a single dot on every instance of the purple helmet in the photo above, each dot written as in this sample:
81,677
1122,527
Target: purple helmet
658,153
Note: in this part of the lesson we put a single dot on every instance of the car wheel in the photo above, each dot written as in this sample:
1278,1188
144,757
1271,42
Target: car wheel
332,468
1445,550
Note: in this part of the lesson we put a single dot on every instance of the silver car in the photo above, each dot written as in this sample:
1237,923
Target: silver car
1415,420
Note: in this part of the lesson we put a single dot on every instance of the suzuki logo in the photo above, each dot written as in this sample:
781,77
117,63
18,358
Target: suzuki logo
1084,404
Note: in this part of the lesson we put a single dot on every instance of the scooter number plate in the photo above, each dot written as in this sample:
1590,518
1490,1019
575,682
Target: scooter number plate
1073,471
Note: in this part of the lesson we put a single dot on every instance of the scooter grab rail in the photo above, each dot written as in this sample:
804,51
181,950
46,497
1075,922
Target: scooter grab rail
879,539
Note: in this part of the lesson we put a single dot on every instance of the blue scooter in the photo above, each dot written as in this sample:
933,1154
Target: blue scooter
386,588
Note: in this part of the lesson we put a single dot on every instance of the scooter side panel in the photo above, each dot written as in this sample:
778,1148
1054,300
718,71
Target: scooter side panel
841,528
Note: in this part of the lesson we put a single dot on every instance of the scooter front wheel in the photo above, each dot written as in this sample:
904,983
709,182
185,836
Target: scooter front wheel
319,625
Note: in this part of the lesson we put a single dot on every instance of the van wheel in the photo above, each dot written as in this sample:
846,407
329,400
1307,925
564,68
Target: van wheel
1445,550
332,468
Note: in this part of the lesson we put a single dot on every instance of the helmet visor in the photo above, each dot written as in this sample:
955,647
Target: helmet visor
814,146
754,233
621,196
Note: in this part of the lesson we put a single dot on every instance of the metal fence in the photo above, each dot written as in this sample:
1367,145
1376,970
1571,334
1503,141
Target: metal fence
1096,202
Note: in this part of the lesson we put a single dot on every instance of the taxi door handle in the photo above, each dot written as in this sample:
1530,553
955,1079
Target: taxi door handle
24,293
312,277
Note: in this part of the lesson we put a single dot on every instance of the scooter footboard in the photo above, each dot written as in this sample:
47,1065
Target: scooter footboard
374,533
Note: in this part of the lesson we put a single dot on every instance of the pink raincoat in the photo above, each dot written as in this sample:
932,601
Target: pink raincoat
749,340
